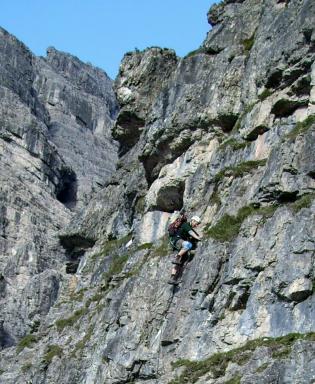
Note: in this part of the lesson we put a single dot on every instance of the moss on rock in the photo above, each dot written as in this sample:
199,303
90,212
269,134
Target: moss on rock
218,362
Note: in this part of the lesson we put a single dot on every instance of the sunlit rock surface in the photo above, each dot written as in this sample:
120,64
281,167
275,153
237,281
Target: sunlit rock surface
228,133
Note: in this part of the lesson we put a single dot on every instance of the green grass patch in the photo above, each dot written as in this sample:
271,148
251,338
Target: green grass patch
266,93
140,205
301,127
117,265
195,52
95,298
113,245
70,321
248,43
234,144
115,268
304,202
26,342
138,267
262,368
52,351
144,246
218,362
107,249
239,170
1,371
26,367
281,353
234,380
228,227
78,296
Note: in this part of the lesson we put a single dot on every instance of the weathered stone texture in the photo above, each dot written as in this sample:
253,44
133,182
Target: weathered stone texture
226,132
38,183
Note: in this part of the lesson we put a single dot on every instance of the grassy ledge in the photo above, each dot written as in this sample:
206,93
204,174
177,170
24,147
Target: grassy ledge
301,127
217,363
228,227
265,94
234,144
26,367
304,202
26,342
113,245
70,321
52,351
115,268
239,170
234,380
248,44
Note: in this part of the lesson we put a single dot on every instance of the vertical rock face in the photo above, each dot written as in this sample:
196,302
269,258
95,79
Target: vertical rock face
81,105
42,175
227,132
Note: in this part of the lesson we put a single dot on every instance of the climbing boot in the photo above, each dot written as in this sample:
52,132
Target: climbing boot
177,260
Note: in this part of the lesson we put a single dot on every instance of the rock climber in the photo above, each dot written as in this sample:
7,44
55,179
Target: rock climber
183,240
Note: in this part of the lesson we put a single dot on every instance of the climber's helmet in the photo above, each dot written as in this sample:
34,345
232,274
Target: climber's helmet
195,220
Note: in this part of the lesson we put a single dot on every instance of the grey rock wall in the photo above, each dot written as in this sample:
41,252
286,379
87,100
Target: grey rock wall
43,176
82,106
227,132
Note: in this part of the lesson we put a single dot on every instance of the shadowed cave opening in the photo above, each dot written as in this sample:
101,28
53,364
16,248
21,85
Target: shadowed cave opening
127,130
170,198
75,247
287,197
6,340
67,188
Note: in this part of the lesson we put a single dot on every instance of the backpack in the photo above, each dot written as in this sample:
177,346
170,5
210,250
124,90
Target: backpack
176,224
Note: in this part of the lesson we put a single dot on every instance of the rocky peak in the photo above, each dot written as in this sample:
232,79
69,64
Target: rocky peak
226,132
86,77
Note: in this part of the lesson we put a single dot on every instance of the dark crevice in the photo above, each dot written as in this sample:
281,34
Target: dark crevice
238,300
227,122
302,86
287,197
130,199
170,198
311,174
80,121
2,286
213,50
70,242
253,135
127,130
274,79
161,156
308,35
73,262
6,340
285,107
75,247
67,188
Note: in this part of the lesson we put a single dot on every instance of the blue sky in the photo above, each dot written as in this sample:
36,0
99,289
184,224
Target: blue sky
101,31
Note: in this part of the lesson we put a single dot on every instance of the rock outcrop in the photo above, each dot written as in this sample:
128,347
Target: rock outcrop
228,133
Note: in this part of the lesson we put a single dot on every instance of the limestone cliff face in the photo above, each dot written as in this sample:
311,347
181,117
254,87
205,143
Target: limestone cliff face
227,132
44,176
